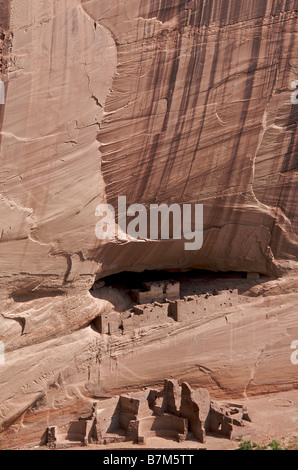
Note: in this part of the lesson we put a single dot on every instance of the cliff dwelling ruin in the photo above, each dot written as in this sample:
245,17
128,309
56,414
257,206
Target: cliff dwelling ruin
151,299
138,115
173,412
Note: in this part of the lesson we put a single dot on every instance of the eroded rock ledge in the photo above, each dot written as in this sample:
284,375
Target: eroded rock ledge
187,103
174,412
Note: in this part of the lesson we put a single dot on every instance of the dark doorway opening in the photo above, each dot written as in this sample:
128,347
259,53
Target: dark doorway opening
191,282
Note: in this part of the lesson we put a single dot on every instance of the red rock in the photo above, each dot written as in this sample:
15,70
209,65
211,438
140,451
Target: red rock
182,103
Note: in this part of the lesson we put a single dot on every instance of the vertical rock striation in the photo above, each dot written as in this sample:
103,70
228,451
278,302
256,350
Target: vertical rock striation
162,102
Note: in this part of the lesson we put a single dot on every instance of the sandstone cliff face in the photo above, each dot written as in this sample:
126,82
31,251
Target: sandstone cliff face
187,103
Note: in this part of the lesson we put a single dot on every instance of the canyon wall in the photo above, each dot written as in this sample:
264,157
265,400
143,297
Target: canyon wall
162,102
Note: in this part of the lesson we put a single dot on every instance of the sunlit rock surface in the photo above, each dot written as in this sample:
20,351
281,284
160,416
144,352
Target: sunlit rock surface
188,103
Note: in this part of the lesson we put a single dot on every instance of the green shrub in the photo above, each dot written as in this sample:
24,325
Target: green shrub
275,445
248,445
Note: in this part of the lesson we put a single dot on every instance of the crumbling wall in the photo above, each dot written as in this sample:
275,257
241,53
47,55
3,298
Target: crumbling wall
172,397
196,409
165,425
108,323
129,409
157,313
175,411
156,291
